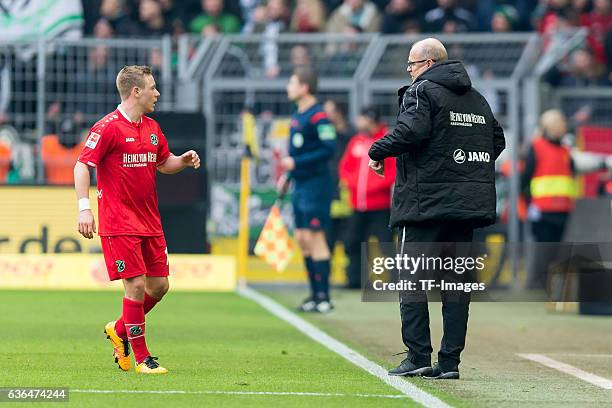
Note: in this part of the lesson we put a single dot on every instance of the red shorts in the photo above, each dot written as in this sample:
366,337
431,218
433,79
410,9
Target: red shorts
127,256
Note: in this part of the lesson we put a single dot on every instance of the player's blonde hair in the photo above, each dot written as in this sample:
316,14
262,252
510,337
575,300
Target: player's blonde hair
131,76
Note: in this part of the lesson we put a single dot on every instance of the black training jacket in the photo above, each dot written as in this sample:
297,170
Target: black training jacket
446,141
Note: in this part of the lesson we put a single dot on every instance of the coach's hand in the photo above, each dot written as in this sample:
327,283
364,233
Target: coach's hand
288,163
378,167
87,224
191,159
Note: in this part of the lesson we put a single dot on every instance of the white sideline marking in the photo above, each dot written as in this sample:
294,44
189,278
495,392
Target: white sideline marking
212,392
569,369
581,355
408,389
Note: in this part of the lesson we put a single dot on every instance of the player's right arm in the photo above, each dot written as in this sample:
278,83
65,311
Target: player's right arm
86,221
99,143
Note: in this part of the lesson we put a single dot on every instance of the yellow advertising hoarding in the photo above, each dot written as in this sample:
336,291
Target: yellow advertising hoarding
88,271
36,220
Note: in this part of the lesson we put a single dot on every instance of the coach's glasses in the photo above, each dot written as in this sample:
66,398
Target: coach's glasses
411,63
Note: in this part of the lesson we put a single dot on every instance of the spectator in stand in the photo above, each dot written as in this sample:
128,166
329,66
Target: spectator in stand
91,15
103,29
584,70
357,13
397,14
599,22
411,27
486,8
151,19
552,15
370,194
270,20
117,14
248,10
504,19
553,19
174,16
448,17
214,20
300,57
257,22
581,6
278,17
308,16
346,56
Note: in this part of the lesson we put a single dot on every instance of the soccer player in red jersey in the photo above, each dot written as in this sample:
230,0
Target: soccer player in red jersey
127,147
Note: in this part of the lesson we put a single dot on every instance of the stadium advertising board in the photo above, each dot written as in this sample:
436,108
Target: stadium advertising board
88,271
36,220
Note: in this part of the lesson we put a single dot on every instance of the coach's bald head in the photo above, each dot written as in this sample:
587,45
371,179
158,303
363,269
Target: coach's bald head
424,54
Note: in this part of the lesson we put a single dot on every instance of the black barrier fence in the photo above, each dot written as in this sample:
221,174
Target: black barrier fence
556,272
184,198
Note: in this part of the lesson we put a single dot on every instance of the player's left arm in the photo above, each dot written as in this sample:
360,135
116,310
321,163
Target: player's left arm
173,164
168,163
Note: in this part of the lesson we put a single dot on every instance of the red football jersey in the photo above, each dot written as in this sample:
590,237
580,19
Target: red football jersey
126,156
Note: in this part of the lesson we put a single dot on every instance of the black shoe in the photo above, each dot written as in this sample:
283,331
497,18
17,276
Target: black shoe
436,373
308,305
410,369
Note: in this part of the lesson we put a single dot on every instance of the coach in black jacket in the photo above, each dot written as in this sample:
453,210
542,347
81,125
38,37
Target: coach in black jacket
446,141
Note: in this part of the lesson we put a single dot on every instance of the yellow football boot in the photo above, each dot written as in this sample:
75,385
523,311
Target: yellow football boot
150,366
121,348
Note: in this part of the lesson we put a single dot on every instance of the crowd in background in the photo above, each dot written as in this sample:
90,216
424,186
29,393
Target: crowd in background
209,17
588,65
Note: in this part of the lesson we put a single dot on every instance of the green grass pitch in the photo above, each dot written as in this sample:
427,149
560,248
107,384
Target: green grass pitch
217,342
222,350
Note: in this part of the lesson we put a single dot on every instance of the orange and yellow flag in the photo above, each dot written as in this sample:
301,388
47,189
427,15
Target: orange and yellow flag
274,245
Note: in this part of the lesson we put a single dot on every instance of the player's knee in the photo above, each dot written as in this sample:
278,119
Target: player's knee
135,288
160,289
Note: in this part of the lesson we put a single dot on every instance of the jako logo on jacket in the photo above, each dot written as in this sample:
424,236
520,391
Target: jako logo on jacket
460,156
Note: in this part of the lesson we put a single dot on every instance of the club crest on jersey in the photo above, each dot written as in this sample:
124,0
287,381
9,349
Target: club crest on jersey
154,139
120,265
